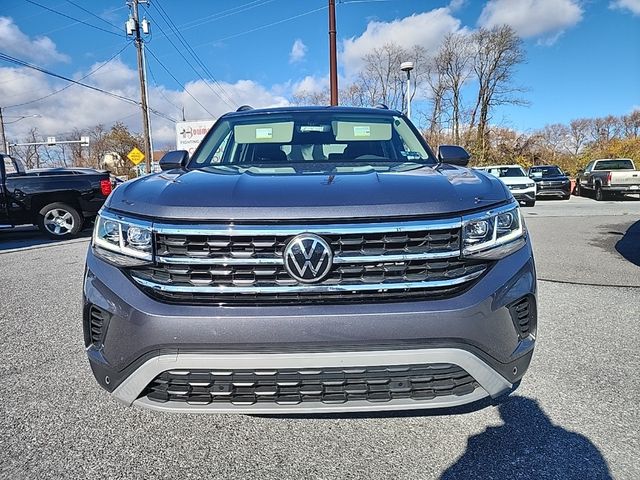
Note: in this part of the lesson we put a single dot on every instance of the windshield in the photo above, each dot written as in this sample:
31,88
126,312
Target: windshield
268,140
614,165
547,171
506,171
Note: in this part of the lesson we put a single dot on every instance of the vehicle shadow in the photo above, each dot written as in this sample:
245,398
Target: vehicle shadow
25,237
629,245
528,445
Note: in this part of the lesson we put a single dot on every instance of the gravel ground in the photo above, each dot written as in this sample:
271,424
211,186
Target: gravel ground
574,416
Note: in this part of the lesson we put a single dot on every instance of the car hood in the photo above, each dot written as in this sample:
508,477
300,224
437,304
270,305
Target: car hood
219,194
552,178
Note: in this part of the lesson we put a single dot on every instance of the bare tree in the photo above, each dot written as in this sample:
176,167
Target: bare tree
452,66
631,124
578,135
497,52
382,81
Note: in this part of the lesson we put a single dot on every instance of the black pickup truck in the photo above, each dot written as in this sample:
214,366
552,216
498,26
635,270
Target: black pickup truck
57,201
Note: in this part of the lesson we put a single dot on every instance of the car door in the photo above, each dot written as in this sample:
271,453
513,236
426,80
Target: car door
6,167
583,178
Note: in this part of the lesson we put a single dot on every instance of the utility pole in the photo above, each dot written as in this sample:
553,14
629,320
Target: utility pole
5,142
133,28
333,62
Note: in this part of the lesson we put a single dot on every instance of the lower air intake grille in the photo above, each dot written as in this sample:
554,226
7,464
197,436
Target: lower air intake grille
325,385
522,312
97,321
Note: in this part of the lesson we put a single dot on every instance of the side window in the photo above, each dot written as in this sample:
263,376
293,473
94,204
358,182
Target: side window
588,168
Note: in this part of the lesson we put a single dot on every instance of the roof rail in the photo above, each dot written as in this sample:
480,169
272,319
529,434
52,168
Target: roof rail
244,108
381,106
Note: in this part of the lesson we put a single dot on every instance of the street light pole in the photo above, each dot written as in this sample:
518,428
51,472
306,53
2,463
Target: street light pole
407,67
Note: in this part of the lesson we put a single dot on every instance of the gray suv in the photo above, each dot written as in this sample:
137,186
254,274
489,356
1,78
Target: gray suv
315,259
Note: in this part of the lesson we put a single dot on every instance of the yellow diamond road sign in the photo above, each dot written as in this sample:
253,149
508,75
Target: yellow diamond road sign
136,156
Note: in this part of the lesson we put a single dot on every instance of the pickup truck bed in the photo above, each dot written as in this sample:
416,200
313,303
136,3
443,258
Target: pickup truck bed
608,177
57,201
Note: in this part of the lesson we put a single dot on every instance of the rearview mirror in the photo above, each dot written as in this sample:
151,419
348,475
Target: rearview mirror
174,159
453,154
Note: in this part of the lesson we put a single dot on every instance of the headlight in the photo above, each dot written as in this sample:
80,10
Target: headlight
529,185
493,234
122,241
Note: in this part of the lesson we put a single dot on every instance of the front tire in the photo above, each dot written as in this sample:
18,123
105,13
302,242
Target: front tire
59,221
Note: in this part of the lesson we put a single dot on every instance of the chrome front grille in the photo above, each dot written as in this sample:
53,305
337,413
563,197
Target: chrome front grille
245,264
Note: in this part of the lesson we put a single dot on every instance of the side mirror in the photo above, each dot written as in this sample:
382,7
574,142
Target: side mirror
453,154
174,159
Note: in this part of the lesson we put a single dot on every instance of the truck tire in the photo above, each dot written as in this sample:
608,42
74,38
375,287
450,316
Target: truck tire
577,191
59,221
600,194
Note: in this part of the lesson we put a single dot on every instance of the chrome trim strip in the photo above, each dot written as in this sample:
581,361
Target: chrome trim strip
402,257
319,288
491,382
284,230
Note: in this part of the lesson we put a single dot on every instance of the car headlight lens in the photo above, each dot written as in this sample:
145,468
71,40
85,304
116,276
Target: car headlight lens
493,234
529,185
122,241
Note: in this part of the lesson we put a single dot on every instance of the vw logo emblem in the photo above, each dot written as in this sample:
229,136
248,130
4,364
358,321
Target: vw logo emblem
308,258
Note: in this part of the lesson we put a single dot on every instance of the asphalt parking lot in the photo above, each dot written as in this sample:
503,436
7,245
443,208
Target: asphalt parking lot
574,416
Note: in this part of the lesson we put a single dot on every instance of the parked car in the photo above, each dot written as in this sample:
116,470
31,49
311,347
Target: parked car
550,181
608,177
306,260
57,201
521,186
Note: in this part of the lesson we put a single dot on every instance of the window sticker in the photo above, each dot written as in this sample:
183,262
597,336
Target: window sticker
361,131
273,132
264,133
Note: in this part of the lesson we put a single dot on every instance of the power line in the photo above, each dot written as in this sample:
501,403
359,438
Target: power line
71,84
73,18
222,95
262,27
193,53
93,14
22,63
178,81
224,13
160,92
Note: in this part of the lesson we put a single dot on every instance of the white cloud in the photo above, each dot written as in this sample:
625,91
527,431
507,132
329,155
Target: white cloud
425,29
39,49
298,51
532,18
311,84
456,4
632,5
78,107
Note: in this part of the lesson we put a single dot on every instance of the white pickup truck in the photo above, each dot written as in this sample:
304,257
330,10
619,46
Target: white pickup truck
607,177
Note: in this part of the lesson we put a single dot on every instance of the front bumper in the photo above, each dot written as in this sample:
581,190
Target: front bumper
143,337
554,190
524,195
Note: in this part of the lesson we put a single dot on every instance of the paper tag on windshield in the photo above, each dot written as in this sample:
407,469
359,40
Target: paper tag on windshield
264,133
362,131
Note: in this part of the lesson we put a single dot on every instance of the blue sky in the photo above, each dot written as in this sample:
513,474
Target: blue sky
583,56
